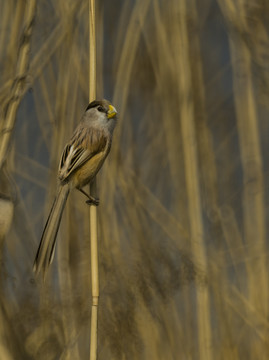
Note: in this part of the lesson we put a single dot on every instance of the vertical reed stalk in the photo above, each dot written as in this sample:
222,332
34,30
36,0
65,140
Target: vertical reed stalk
253,193
93,209
238,15
17,89
191,168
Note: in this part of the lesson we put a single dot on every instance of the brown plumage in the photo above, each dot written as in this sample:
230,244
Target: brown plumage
86,144
81,159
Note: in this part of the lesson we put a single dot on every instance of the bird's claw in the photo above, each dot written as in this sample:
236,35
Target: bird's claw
93,201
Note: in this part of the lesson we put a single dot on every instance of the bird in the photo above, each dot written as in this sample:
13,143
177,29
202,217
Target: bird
81,159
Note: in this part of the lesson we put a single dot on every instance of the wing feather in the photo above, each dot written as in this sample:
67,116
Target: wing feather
85,143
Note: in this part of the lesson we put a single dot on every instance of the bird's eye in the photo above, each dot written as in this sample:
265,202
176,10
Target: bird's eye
100,108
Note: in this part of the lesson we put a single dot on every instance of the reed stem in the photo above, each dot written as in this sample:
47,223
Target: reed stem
93,209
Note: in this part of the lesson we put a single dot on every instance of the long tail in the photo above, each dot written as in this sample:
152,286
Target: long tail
46,247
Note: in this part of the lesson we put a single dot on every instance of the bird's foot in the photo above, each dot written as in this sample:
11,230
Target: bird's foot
92,201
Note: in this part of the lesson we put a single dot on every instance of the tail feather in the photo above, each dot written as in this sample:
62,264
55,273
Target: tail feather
46,247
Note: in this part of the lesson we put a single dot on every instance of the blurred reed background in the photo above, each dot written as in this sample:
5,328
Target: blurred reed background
183,216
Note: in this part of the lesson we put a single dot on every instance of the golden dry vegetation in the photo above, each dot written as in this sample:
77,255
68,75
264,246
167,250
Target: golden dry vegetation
183,215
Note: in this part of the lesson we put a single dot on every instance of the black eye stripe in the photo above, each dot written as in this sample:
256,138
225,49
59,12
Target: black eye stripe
95,103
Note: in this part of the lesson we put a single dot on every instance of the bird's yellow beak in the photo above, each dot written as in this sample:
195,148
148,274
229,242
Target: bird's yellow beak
111,112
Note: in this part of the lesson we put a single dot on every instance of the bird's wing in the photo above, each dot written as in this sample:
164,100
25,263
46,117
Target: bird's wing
85,143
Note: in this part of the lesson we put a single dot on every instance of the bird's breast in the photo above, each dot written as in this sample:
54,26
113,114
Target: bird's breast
87,171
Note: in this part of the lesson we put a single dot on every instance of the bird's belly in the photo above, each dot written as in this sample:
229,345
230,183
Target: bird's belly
87,171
